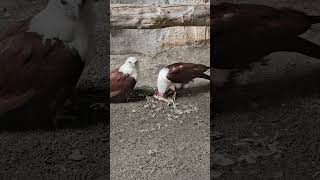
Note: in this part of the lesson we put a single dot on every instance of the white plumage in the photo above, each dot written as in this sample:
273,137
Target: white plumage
71,21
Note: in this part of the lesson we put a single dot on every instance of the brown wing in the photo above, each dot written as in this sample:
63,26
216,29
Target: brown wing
33,71
185,72
121,86
244,33
252,18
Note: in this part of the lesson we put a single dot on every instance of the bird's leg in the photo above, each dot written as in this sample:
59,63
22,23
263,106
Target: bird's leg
167,100
174,96
60,105
183,85
173,88
162,99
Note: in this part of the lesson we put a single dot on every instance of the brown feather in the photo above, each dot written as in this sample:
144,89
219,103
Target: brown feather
245,33
185,72
228,17
31,71
121,86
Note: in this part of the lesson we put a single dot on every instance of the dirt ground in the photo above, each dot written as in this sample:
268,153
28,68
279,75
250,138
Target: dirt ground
270,127
78,151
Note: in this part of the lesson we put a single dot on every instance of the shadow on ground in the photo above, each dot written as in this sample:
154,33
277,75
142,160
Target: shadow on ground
268,130
267,93
89,108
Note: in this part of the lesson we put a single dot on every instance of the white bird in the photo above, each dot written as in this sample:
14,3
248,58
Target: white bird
123,80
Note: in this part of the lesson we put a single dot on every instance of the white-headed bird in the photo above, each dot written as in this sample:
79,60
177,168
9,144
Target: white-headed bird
245,33
176,76
123,80
42,58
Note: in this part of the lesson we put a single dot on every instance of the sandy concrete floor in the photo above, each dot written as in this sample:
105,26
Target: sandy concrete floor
270,129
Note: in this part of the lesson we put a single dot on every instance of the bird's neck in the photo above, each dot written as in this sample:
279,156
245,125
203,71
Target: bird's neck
163,83
52,23
127,70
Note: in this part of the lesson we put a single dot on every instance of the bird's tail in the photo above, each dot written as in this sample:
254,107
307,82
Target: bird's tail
314,19
208,67
205,76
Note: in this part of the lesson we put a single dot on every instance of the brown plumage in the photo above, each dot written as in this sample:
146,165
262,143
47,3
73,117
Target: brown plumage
41,60
123,79
244,33
35,77
185,72
179,73
121,86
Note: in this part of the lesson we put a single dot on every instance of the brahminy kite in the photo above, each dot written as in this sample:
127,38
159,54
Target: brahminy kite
123,80
176,76
41,60
245,33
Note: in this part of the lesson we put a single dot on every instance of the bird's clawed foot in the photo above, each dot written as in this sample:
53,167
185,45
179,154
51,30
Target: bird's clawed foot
167,100
174,96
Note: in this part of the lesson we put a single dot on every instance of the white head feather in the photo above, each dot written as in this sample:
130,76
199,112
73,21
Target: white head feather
163,83
71,21
131,68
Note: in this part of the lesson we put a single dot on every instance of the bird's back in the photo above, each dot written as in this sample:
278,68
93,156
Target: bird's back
34,71
244,33
120,86
252,18
185,72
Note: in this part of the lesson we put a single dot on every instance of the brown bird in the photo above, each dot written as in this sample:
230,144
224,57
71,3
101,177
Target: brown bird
41,60
123,80
177,75
245,33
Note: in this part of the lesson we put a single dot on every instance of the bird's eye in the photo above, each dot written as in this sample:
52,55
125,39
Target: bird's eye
129,61
63,2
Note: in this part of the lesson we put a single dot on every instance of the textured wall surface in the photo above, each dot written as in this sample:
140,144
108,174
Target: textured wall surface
157,40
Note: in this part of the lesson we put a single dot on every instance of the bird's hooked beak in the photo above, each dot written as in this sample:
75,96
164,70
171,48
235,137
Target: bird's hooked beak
136,64
157,93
